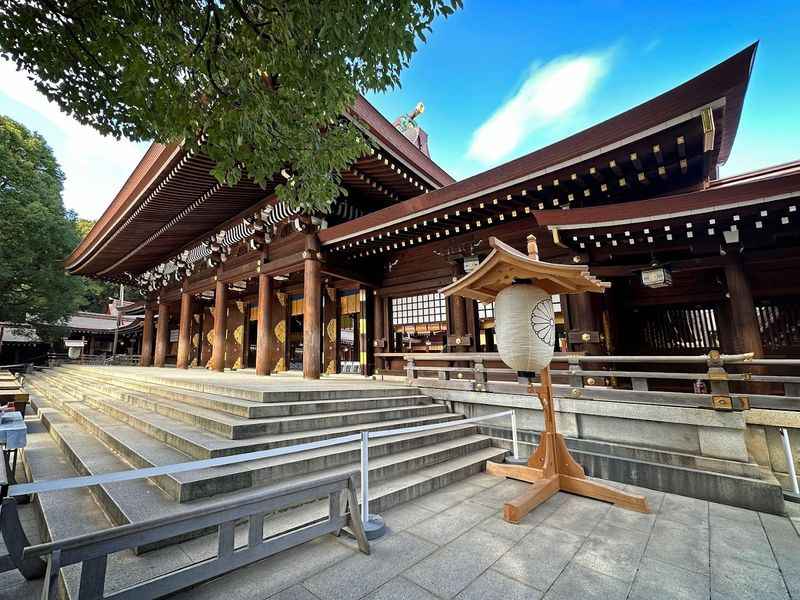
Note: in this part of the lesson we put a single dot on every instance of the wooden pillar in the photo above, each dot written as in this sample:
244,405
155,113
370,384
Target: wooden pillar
263,330
220,326
146,358
379,336
185,331
162,335
744,325
312,300
458,315
585,323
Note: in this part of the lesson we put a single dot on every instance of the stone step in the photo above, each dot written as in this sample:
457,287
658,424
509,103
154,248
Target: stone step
235,428
200,444
389,456
246,408
291,389
397,476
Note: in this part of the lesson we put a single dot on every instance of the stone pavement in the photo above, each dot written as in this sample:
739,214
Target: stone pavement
453,544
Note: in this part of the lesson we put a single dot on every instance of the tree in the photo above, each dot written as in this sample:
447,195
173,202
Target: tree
36,232
263,87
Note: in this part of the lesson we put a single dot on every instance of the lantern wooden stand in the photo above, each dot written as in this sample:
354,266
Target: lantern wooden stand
551,467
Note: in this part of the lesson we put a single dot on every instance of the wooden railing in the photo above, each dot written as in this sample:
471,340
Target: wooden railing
92,550
720,382
98,360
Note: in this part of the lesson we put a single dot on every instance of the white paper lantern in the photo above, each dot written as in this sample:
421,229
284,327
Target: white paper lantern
525,327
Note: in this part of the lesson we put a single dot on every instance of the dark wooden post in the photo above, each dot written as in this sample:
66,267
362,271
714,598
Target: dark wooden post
263,331
312,290
185,331
220,326
162,335
746,333
146,358
584,323
379,333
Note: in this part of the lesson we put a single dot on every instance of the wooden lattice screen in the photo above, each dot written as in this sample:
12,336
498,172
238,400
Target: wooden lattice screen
779,321
677,329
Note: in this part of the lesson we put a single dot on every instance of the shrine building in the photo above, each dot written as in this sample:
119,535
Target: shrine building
236,279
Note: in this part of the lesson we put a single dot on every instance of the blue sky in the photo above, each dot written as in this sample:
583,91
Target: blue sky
500,79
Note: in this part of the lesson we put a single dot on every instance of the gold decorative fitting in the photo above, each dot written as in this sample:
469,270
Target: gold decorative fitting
280,331
586,337
721,403
280,366
282,297
747,376
744,402
240,306
590,381
238,334
714,355
575,392
196,340
460,376
330,329
458,341
331,368
237,364
210,337
717,375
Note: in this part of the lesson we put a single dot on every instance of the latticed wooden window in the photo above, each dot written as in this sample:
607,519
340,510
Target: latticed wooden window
678,329
424,308
779,322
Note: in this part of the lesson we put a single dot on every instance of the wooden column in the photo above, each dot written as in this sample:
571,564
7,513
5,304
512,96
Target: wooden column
379,335
263,330
220,325
185,331
146,358
312,322
162,335
744,326
585,323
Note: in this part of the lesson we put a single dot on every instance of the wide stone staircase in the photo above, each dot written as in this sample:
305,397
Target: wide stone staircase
96,420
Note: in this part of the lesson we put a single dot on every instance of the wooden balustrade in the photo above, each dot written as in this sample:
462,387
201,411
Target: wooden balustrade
720,382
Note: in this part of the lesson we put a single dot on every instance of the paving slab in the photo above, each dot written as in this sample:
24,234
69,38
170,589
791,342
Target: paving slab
659,580
400,588
577,581
679,545
358,575
451,523
453,567
733,579
539,557
613,551
492,585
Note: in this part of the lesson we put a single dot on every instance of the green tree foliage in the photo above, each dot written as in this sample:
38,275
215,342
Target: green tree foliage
36,233
261,85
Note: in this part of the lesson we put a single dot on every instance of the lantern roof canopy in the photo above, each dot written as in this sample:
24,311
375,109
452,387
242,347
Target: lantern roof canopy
504,265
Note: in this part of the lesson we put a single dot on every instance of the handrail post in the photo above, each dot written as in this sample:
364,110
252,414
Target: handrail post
514,439
787,449
479,375
374,526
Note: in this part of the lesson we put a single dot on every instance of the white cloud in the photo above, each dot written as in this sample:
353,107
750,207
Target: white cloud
95,166
551,92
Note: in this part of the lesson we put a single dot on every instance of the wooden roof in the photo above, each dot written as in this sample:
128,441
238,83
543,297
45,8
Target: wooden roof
721,88
171,199
504,264
778,182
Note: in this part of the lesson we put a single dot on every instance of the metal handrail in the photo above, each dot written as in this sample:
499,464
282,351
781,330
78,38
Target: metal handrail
53,485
